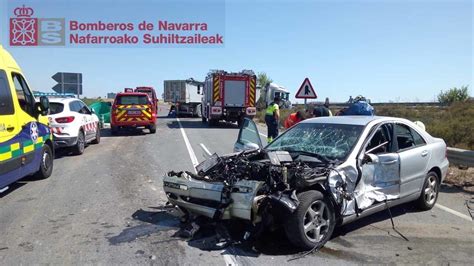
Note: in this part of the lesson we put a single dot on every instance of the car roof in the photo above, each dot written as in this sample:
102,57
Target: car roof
62,100
132,94
361,120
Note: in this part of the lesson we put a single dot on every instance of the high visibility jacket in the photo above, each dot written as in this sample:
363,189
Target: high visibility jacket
291,120
271,109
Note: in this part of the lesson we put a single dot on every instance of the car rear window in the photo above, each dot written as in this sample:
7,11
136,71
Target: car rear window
55,108
132,99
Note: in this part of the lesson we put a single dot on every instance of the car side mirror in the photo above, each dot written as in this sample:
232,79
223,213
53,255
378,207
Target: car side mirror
44,105
370,158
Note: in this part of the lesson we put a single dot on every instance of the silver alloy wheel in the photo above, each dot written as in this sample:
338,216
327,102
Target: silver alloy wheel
431,190
46,162
81,142
316,221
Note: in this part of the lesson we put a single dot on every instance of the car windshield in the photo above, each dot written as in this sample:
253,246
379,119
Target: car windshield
55,108
132,99
332,141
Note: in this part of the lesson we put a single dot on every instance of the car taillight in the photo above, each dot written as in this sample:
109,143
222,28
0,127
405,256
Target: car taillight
67,119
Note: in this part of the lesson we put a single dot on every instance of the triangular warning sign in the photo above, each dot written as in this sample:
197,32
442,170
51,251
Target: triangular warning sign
306,91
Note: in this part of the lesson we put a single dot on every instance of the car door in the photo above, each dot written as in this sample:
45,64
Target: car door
31,136
249,137
10,161
414,157
87,121
380,179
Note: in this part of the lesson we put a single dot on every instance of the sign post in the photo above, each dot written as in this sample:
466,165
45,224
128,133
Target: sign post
306,92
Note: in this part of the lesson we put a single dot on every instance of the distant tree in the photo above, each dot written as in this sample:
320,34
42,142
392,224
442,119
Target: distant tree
262,81
454,95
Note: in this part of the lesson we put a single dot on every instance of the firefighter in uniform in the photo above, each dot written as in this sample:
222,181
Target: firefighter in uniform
272,116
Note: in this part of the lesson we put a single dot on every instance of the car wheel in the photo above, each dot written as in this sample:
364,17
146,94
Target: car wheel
204,119
97,137
78,149
429,193
152,129
312,223
46,164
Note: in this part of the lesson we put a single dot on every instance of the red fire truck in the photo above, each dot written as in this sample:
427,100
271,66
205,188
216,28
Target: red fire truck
229,96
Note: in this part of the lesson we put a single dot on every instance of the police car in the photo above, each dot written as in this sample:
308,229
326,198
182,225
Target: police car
73,124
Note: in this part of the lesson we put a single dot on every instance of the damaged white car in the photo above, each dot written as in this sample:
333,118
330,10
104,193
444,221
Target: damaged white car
321,173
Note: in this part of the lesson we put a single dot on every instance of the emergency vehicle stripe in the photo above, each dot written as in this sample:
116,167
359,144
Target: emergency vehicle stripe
216,89
148,115
252,92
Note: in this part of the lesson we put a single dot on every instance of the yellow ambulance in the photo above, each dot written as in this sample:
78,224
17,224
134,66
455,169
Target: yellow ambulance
26,145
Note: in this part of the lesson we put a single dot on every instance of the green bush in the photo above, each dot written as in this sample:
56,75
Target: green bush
454,124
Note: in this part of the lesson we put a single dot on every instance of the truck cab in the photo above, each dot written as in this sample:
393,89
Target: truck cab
26,145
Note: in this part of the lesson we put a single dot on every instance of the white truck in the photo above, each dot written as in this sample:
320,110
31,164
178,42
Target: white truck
272,90
184,97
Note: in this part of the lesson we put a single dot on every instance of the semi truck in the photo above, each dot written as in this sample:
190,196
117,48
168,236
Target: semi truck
271,90
184,96
229,96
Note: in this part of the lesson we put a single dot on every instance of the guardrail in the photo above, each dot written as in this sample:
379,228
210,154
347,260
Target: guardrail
461,157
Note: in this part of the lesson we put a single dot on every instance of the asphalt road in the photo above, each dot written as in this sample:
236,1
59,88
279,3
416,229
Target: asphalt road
107,207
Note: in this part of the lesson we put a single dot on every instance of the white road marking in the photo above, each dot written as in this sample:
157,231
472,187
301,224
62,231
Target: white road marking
205,149
192,155
458,214
228,258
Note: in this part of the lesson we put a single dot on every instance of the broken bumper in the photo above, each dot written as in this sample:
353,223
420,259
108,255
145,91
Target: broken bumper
206,198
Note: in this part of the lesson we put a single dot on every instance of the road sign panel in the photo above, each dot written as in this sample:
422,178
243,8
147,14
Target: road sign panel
306,91
68,82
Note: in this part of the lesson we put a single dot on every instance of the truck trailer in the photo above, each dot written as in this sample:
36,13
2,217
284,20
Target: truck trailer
229,96
184,97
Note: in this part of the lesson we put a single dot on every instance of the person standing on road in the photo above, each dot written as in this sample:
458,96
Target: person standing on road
272,116
293,119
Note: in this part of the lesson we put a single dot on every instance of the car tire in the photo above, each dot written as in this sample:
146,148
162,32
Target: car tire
429,193
78,149
317,213
152,129
46,164
113,130
204,120
97,137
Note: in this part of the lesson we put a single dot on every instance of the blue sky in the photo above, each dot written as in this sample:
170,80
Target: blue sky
385,50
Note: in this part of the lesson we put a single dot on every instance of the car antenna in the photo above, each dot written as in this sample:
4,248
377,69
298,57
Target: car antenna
391,220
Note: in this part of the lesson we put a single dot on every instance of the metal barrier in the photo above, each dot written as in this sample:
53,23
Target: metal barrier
461,157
